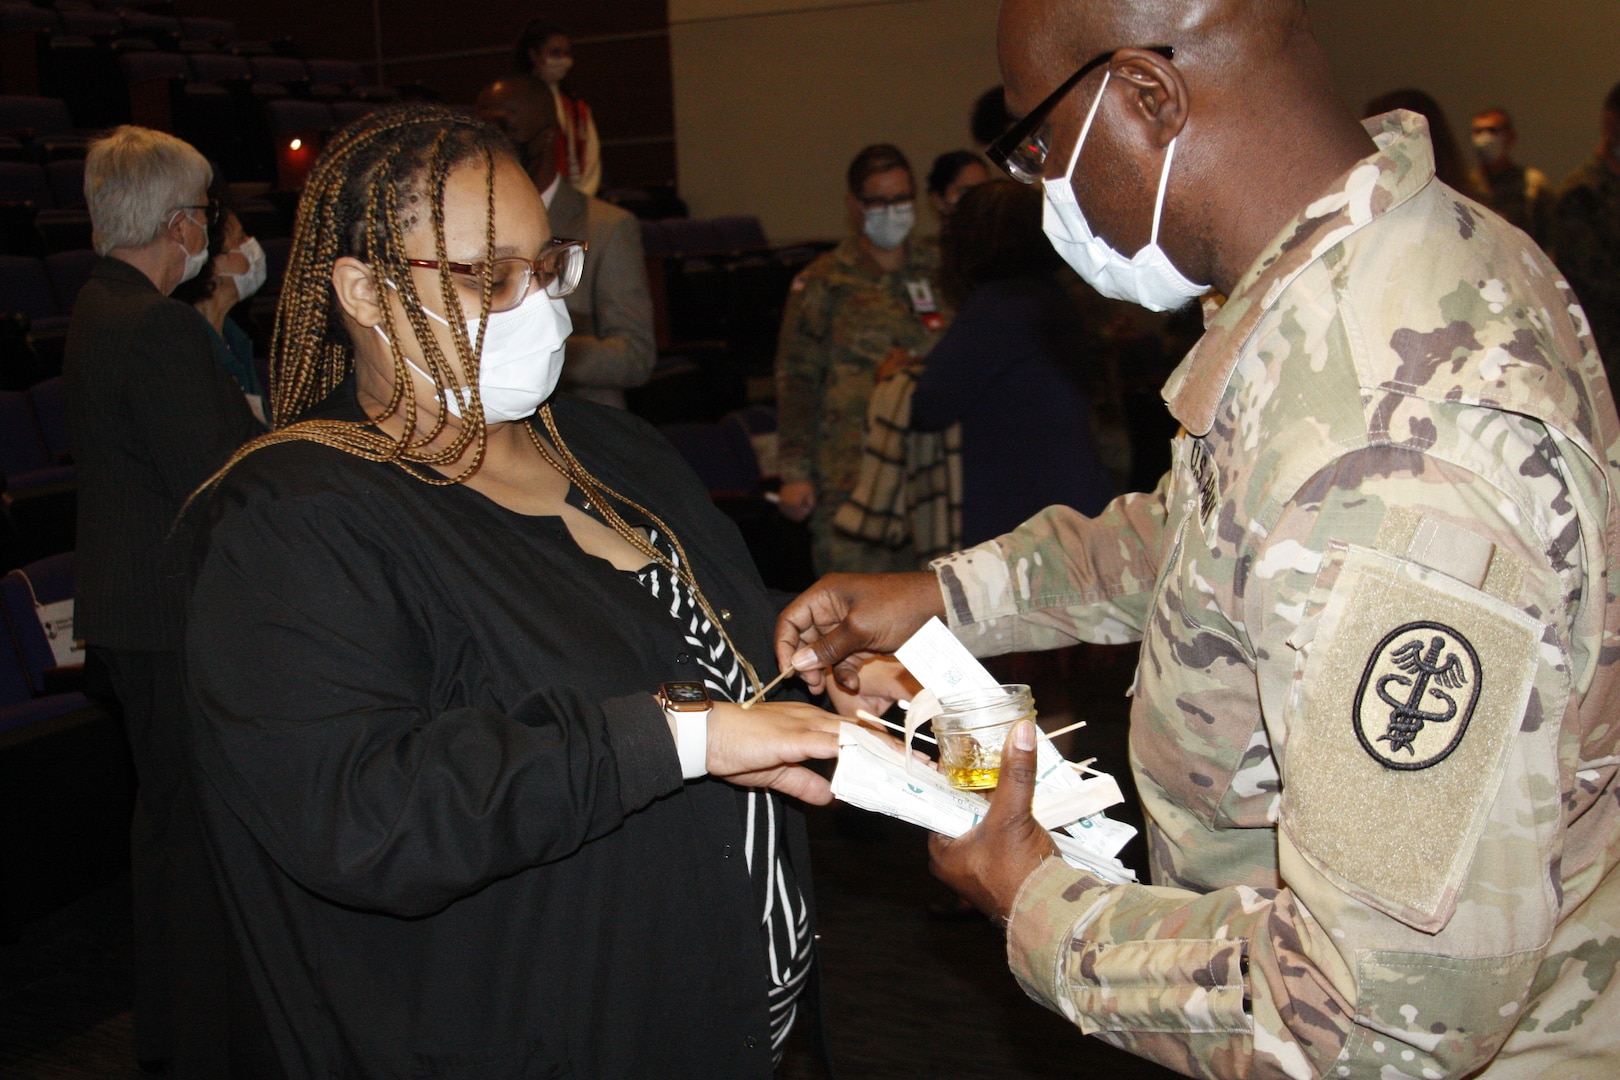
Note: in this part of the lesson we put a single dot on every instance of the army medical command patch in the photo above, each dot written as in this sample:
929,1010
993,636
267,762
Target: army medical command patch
1413,687
1416,696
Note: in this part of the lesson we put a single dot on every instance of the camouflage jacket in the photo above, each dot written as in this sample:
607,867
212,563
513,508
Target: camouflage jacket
843,316
1584,237
1373,718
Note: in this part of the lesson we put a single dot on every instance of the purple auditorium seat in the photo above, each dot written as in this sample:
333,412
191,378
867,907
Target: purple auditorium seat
655,238
26,654
48,403
24,288
739,232
28,17
68,271
24,181
47,581
24,458
347,112
219,68
37,115
286,70
140,66
335,71
291,117
66,178
92,24
161,30
223,30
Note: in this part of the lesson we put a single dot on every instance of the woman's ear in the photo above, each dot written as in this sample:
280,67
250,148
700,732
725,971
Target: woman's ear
1159,94
357,292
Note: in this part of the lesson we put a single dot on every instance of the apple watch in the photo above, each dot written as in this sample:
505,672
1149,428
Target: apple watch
687,704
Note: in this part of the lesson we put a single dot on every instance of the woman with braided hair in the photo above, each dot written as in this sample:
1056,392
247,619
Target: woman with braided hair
462,829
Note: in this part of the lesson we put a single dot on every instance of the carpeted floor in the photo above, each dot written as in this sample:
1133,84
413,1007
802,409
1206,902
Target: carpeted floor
907,995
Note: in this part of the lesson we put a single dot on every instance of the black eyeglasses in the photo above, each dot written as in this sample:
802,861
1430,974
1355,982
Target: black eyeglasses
557,271
878,202
1021,149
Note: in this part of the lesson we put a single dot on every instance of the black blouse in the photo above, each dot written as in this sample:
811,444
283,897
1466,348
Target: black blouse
448,811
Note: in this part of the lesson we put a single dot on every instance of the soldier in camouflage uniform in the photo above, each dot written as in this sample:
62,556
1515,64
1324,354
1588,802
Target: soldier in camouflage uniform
1378,602
847,313
1585,235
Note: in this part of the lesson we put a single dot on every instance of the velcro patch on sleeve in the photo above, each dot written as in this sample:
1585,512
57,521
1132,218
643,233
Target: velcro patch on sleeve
1413,687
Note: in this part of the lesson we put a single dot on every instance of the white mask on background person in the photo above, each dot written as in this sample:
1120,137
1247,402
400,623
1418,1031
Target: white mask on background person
250,280
888,226
194,261
1148,278
554,68
521,362
1488,147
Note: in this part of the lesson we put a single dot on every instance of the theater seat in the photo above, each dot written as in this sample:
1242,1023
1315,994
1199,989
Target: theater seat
51,666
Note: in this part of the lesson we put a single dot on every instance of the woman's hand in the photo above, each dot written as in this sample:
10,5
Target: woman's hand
759,747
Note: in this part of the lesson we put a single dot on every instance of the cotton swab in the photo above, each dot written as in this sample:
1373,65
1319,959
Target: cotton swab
767,688
870,718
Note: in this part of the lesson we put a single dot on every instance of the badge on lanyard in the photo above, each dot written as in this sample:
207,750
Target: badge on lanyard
923,304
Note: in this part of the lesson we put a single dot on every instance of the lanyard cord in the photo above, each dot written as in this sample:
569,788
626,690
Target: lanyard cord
601,496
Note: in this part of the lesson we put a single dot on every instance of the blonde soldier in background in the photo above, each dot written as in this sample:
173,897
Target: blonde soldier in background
1374,716
869,305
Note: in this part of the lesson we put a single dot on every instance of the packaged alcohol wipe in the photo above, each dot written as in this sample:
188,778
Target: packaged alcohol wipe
875,775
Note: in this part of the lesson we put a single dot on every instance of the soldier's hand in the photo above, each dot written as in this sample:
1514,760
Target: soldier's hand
896,361
844,620
988,864
796,500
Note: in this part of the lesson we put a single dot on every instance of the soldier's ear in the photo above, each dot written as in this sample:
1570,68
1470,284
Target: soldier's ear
1159,95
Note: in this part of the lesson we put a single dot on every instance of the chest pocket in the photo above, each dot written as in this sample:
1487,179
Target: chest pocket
1196,729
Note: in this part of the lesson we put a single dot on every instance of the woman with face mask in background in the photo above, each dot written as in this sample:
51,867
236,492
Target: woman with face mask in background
466,662
236,269
869,306
544,51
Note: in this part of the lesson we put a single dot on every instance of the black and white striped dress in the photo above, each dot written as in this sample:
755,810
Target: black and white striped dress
785,920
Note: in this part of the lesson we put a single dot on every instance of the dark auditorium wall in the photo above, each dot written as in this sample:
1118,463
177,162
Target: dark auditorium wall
621,50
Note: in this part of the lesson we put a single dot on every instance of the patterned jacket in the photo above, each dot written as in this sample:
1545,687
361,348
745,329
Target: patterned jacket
843,316
1374,715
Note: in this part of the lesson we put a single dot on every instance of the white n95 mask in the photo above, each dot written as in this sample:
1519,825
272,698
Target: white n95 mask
1149,278
521,361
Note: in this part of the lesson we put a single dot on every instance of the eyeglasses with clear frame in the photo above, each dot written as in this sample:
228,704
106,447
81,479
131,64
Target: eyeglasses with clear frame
211,211
1021,150
558,271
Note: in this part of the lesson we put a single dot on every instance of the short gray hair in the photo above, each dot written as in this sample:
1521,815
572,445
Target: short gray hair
134,178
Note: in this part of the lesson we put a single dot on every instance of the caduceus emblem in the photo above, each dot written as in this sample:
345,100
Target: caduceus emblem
1406,718
1426,676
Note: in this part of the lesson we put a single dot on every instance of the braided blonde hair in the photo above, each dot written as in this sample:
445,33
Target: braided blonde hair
367,190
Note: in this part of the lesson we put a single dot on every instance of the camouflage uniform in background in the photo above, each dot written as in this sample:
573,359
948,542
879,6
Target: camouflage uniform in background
1374,714
1584,240
843,317
1522,195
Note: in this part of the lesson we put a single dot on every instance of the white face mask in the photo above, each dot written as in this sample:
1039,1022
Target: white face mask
250,280
194,261
1488,147
888,226
553,68
521,362
1149,278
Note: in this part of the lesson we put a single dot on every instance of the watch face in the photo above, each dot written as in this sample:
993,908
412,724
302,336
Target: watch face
686,693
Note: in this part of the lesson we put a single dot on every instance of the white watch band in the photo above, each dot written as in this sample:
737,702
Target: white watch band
692,742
